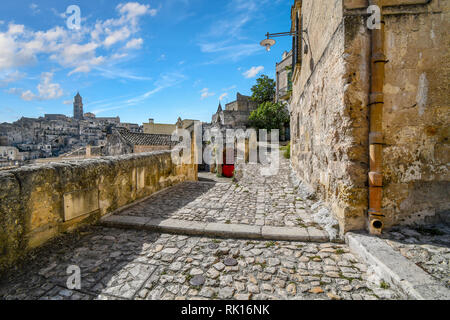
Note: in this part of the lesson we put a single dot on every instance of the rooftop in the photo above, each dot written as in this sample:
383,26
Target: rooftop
145,139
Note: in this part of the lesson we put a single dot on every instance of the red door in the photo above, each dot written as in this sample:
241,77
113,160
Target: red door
227,169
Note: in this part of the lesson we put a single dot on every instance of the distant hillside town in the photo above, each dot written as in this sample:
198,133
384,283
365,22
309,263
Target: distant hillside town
56,135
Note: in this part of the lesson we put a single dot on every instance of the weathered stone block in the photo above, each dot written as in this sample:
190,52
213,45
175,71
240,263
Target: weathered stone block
79,203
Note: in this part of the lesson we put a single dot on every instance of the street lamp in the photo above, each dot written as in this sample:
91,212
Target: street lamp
268,43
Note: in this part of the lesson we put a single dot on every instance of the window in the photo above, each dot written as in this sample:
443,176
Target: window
297,43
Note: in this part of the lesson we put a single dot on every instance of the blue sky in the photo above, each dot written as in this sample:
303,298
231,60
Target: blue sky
139,59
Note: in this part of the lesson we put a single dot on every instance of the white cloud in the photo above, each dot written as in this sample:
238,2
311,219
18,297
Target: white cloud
133,10
35,8
114,73
223,96
117,56
253,72
15,28
78,51
165,81
206,94
56,13
134,43
230,88
225,50
117,36
10,54
80,69
231,25
10,77
46,89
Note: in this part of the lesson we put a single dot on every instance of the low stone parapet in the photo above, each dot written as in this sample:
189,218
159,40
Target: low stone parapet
39,202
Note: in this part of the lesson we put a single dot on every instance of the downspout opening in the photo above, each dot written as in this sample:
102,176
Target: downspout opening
377,224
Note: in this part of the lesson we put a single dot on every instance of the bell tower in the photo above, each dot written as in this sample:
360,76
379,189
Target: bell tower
78,107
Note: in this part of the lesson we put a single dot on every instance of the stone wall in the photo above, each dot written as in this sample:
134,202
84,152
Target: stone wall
232,118
159,128
329,119
142,149
417,114
329,130
39,202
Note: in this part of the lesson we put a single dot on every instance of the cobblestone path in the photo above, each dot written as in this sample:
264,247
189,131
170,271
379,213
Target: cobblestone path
130,264
426,246
253,200
138,264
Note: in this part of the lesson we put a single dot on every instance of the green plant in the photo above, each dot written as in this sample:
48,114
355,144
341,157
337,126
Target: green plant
269,115
263,264
287,151
384,285
315,257
300,223
264,90
270,244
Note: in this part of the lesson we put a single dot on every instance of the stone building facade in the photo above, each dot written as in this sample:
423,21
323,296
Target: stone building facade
332,107
164,128
283,78
56,135
236,113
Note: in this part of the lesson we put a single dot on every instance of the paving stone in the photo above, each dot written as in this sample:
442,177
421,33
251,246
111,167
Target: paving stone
196,272
230,262
197,280
130,263
219,266
284,233
226,293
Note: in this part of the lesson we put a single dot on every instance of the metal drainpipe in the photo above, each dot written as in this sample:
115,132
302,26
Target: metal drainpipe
378,61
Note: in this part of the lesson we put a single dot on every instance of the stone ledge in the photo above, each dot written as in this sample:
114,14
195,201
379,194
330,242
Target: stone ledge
285,233
125,222
233,230
393,267
175,226
221,230
317,235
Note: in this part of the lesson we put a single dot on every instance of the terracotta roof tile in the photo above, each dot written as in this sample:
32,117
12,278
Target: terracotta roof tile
145,139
